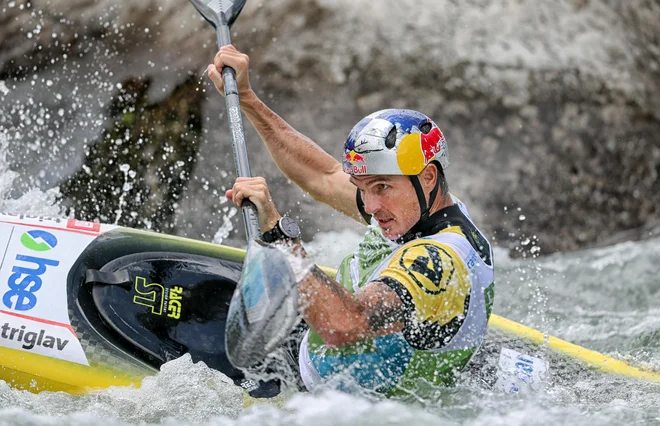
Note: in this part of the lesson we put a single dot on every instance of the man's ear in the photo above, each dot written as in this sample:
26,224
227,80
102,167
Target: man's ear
429,176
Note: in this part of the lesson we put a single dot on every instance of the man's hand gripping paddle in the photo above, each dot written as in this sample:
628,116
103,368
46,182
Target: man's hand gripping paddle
264,307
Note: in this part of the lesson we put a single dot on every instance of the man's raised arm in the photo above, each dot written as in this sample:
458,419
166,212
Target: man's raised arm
297,156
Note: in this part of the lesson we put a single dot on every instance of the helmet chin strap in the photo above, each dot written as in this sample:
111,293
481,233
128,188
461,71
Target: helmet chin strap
425,210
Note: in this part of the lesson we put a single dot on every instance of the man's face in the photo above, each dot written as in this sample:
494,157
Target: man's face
391,200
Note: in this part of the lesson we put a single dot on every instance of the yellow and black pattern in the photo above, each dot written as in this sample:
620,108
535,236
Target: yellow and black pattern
433,283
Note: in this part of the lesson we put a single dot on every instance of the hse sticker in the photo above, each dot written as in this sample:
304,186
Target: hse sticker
34,268
27,269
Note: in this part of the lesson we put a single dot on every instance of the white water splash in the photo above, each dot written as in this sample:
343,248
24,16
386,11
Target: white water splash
31,203
329,248
128,185
227,225
183,392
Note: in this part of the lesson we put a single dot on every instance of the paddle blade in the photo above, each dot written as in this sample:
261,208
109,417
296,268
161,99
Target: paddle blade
219,12
264,307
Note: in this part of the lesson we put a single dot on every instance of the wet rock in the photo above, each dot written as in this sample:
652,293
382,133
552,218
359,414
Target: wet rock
135,173
551,110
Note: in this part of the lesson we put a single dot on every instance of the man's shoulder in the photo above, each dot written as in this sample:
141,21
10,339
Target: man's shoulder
425,261
443,241
462,224
433,242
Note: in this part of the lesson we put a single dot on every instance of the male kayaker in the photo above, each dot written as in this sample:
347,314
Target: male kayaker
412,303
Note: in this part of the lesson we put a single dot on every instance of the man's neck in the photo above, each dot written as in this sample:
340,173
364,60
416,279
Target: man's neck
440,203
428,227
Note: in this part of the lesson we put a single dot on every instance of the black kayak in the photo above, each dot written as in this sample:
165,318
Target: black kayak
89,306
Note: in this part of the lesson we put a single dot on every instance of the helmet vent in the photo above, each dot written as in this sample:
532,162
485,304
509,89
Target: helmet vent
426,128
390,140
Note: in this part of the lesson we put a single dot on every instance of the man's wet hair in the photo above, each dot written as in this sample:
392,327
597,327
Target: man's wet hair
443,185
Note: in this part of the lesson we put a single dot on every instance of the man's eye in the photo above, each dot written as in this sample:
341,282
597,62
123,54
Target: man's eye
384,186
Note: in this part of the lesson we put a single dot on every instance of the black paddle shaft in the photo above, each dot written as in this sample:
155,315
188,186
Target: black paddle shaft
238,135
221,14
264,307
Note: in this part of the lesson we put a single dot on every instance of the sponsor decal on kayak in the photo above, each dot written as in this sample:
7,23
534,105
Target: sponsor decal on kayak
174,302
25,279
47,223
41,337
30,339
37,255
156,296
519,372
82,225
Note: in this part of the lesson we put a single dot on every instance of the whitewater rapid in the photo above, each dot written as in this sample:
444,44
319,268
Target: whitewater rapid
606,299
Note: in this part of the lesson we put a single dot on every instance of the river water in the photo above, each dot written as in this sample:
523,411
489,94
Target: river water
607,299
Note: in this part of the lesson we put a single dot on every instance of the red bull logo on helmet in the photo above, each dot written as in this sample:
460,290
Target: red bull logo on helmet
353,157
431,144
354,164
416,150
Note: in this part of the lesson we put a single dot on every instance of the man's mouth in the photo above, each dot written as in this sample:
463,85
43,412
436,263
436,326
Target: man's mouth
385,222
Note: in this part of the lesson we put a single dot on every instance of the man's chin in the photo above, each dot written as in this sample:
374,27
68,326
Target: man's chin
391,234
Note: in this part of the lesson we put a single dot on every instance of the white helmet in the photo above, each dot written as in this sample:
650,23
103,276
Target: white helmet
394,142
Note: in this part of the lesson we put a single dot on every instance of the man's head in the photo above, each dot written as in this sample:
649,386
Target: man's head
397,160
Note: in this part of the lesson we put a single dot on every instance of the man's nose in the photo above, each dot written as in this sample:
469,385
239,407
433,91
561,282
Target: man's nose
371,203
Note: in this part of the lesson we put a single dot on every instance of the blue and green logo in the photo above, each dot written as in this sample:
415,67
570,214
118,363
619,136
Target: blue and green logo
38,240
27,274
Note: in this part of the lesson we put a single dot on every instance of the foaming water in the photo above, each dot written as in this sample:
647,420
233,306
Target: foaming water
329,248
186,391
606,299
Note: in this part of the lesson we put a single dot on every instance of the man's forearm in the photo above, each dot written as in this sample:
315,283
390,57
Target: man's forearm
337,315
329,309
341,317
297,156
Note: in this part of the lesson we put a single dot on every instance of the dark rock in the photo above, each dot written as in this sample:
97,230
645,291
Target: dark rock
551,111
135,173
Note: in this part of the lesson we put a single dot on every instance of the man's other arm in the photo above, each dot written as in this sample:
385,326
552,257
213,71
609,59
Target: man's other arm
301,159
297,156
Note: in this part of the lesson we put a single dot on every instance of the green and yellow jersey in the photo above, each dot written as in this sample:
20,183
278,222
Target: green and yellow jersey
445,282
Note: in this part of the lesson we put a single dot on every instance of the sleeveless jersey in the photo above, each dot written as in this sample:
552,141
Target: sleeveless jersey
445,282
